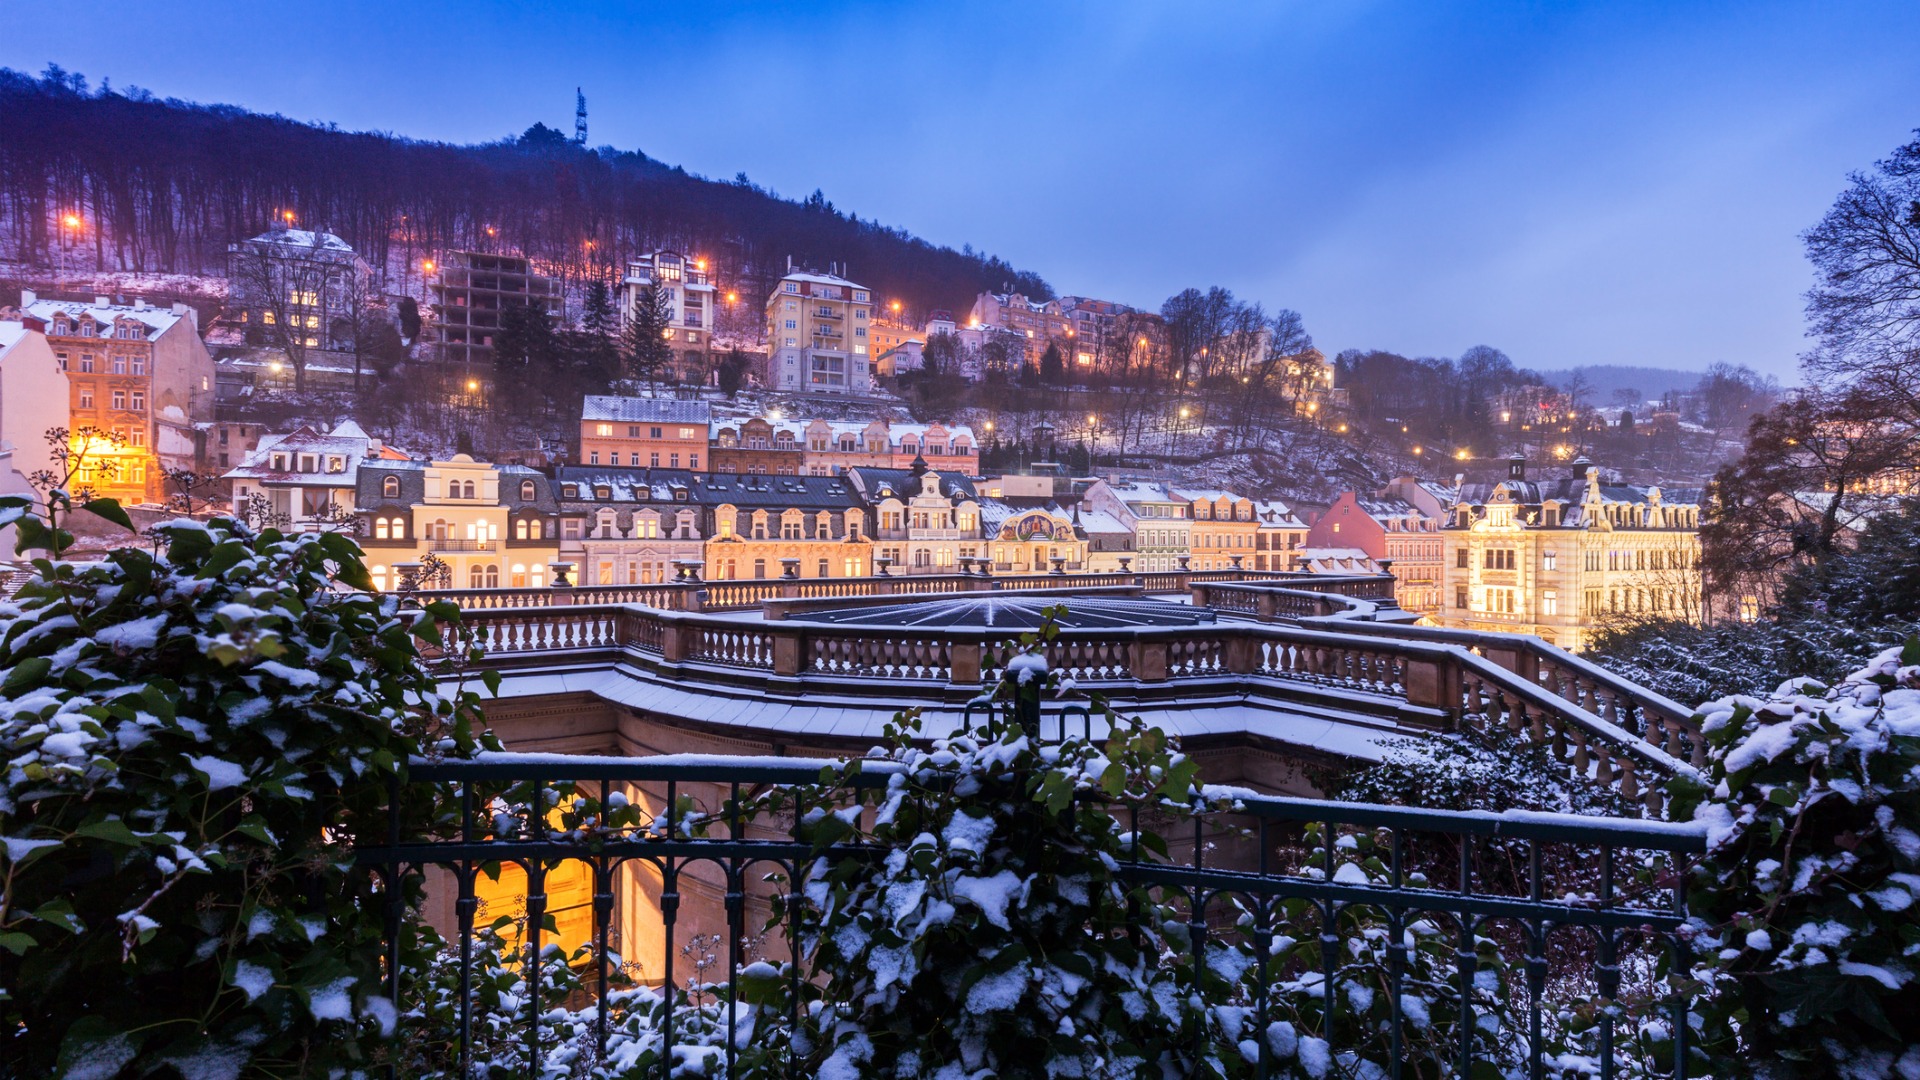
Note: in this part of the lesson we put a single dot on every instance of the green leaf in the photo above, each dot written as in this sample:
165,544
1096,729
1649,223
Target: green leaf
110,510
95,1043
26,673
16,942
112,830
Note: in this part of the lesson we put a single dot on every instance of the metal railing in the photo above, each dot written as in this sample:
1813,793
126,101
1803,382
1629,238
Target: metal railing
1241,879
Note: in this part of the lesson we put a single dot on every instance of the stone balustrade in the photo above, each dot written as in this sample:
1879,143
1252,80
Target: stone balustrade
1458,685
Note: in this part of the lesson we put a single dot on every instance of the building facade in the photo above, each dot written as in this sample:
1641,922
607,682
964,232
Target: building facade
688,296
644,433
923,522
1389,528
1223,530
136,372
759,522
486,526
1162,527
817,335
310,281
305,480
1562,556
626,526
470,292
34,397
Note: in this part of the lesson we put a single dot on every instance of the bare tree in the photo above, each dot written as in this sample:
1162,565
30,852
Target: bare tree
287,283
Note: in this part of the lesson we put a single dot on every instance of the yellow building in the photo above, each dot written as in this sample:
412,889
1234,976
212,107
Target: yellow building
490,526
818,337
759,522
1224,529
1561,557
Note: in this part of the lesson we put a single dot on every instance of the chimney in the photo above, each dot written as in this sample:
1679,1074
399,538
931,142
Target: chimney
1517,467
189,313
139,303
27,298
103,301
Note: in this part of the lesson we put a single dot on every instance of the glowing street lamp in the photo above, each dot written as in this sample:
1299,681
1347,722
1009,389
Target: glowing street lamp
426,266
286,216
731,297
472,385
71,221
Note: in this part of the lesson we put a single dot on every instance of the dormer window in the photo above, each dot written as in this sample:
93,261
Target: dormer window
571,491
526,491
336,463
602,491
390,487
279,463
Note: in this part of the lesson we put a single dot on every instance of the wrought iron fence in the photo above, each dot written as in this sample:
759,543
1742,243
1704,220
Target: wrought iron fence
1551,891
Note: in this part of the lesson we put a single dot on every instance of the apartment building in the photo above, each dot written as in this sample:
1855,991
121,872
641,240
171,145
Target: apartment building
309,279
756,446
833,447
627,526
305,479
638,432
761,522
1223,529
1036,322
486,526
470,291
818,338
134,370
923,522
689,298
1559,556
1386,527
33,397
1279,538
1160,520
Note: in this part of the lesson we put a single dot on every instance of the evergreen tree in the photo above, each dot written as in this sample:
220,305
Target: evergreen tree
597,353
644,344
409,319
732,372
1053,369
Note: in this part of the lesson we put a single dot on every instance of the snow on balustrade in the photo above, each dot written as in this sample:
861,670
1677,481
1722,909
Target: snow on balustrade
918,657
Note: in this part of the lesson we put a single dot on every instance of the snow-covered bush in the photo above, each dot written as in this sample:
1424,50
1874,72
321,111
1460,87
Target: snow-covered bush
192,738
1807,906
992,934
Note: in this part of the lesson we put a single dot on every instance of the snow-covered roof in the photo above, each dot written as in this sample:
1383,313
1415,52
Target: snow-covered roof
1133,491
303,238
816,278
1099,521
1274,514
1192,494
346,445
645,410
624,484
158,319
11,333
1337,561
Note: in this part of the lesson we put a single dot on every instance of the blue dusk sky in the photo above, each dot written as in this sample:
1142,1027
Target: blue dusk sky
1573,183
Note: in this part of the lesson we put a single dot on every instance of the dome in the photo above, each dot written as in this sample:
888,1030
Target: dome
1013,613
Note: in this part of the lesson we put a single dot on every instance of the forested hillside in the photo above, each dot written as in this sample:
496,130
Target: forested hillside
164,186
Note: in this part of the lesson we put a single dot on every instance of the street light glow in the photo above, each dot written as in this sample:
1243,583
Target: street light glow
472,385
72,221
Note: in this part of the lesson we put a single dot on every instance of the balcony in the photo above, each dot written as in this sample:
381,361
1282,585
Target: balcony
452,546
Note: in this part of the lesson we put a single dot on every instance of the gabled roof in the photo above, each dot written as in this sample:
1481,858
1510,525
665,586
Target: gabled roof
159,320
1274,514
304,238
868,483
645,410
514,477
347,443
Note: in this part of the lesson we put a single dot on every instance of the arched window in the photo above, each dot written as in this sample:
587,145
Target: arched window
399,528
493,577
379,578
390,487
526,491
466,490
476,578
379,528
518,579
533,529
520,529
536,575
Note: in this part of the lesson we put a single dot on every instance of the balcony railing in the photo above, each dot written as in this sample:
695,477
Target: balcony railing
1422,683
1241,881
451,545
